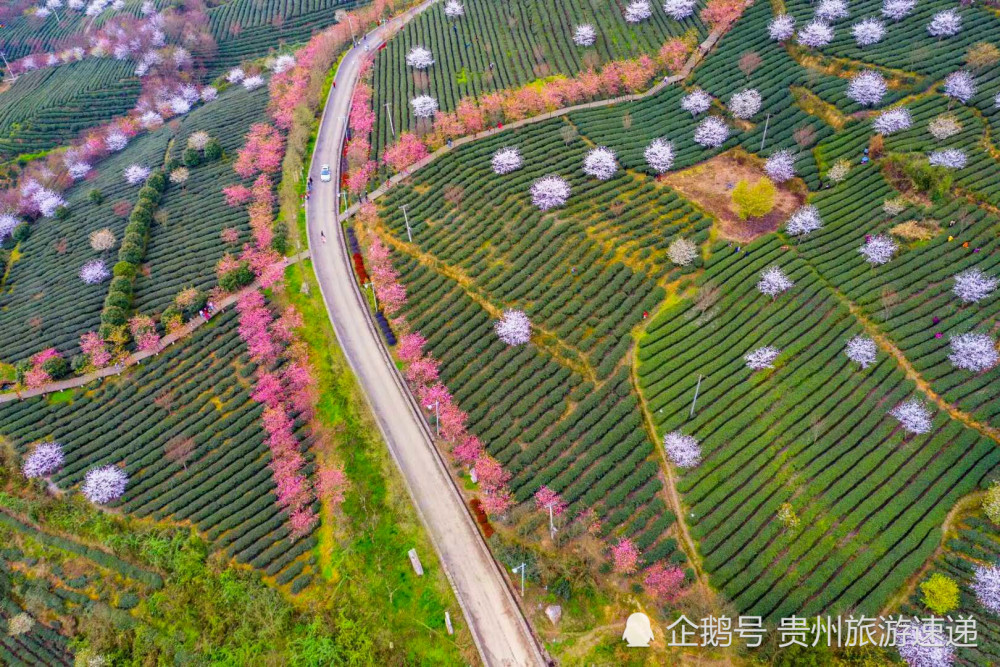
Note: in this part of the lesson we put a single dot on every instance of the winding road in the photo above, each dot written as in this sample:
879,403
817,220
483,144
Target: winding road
498,626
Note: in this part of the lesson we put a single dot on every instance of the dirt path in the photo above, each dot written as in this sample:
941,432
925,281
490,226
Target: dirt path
137,357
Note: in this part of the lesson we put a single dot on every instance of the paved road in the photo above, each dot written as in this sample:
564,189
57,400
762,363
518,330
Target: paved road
500,630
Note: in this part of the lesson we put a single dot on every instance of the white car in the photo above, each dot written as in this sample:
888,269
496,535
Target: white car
324,173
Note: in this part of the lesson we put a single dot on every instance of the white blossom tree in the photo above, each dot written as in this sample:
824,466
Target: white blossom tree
972,285
897,9
804,221
974,352
419,58
104,485
913,416
945,24
893,207
711,132
136,174
745,103
683,450
208,93
600,163
638,11
506,160
150,120
773,281
878,250
867,32
986,586
454,9
45,459
761,358
78,170
584,35
513,327
924,645
682,251
861,350
830,11
867,88
696,102
235,75
996,101
839,171
282,63
893,120
250,83
815,34
679,9
781,27
961,85
115,140
94,272
951,158
549,192
780,166
944,126
660,155
424,106
8,222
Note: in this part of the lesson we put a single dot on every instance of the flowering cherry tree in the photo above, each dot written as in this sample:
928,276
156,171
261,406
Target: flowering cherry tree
115,140
584,35
682,251
831,11
861,350
780,166
683,450
8,222
45,459
913,416
944,126
660,155
679,9
506,160
95,348
250,83
696,102
986,586
815,35
711,132
924,645
664,582
761,358
513,328
781,27
638,11
78,170
94,272
136,174
804,221
867,32
104,485
424,106
454,9
972,286
773,281
945,24
894,206
878,250
625,556
974,352
745,104
419,57
404,153
951,158
600,163
545,497
897,9
893,120
549,192
961,85
867,88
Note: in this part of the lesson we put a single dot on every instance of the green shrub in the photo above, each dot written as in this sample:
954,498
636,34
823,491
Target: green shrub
157,181
56,367
113,316
124,270
191,158
213,149
237,278
21,232
95,196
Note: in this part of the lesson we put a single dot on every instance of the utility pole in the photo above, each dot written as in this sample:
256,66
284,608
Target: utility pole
696,389
552,525
389,116
521,568
766,121
407,219
13,77
437,417
350,22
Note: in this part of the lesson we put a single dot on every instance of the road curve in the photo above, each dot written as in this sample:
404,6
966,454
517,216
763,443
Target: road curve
498,627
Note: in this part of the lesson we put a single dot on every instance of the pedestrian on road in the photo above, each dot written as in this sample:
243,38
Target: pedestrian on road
322,237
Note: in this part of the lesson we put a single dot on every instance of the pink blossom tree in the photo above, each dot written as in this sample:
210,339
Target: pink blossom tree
625,556
664,582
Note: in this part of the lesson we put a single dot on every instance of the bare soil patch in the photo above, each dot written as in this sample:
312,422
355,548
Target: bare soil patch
710,185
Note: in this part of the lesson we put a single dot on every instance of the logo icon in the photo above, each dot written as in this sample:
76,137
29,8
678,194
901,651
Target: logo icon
638,631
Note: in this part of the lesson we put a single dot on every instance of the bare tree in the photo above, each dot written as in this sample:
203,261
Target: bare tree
179,450
749,62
